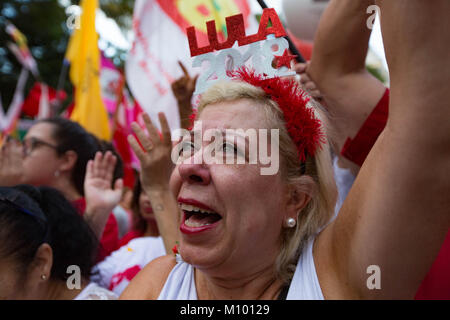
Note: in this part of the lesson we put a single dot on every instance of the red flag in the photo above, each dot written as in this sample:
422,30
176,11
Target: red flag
30,106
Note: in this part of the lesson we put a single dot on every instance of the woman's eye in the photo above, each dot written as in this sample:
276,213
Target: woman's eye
228,147
187,148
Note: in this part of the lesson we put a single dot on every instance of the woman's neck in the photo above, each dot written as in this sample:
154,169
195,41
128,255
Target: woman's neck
151,229
262,285
65,186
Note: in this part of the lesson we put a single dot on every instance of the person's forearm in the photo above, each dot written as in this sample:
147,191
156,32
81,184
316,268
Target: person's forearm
342,38
185,109
97,219
350,92
167,215
419,65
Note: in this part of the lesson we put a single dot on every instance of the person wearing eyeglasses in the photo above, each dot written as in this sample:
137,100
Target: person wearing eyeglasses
55,153
46,249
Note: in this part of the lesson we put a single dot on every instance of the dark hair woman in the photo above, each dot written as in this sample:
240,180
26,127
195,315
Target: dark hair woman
46,249
56,153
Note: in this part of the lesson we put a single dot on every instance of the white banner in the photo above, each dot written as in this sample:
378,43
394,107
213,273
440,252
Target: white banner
160,42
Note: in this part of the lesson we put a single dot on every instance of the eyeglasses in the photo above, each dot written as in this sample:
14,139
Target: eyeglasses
11,197
32,143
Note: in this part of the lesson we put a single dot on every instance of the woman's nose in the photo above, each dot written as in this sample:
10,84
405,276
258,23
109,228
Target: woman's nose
194,173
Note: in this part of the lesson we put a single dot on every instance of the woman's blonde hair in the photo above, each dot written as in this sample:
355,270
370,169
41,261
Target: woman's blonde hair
317,180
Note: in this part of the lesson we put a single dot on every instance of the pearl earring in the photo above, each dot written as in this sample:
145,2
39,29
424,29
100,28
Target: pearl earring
56,173
291,222
43,277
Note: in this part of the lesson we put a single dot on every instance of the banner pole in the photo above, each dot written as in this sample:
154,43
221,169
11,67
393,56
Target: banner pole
292,47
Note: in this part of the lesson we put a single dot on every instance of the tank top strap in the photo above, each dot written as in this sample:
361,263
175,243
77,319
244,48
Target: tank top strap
180,285
305,284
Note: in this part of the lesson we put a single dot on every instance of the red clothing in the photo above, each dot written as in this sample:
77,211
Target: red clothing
357,149
436,284
130,236
110,238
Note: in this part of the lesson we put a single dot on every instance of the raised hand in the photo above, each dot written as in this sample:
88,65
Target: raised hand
183,89
155,159
156,167
11,162
306,82
101,197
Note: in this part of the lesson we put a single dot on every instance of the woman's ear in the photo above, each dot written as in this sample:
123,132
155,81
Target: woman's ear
68,161
298,194
42,264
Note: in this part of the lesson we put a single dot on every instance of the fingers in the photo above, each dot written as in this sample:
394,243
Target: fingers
192,83
300,67
316,94
143,139
89,170
152,131
136,148
165,130
109,164
102,167
310,86
304,78
186,73
118,185
97,169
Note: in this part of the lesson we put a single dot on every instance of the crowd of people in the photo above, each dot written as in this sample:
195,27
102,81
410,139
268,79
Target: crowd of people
363,181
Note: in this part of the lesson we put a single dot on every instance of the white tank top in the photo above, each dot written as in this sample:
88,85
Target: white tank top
305,284
180,285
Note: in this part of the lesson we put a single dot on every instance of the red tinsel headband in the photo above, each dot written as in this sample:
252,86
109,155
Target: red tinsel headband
301,123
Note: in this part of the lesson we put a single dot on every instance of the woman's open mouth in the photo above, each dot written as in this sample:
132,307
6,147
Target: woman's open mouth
197,217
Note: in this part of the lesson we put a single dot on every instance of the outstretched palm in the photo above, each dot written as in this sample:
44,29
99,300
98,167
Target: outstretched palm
156,164
99,193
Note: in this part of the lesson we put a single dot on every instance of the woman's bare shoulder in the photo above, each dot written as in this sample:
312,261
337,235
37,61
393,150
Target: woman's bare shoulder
148,283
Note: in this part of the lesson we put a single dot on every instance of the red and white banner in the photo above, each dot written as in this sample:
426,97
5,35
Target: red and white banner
40,99
110,83
160,42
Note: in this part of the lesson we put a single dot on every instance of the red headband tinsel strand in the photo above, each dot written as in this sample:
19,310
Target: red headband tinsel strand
302,125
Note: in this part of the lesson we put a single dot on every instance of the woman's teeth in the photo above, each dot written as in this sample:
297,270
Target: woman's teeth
190,208
198,217
195,224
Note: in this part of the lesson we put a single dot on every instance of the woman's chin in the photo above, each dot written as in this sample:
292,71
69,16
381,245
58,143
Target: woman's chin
149,217
199,256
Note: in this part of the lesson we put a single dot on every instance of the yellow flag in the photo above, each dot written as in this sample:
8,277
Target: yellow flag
84,58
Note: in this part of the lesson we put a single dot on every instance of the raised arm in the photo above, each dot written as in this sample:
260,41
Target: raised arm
183,89
398,212
102,193
338,68
156,167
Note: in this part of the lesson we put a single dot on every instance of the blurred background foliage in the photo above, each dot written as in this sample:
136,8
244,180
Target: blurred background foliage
43,22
